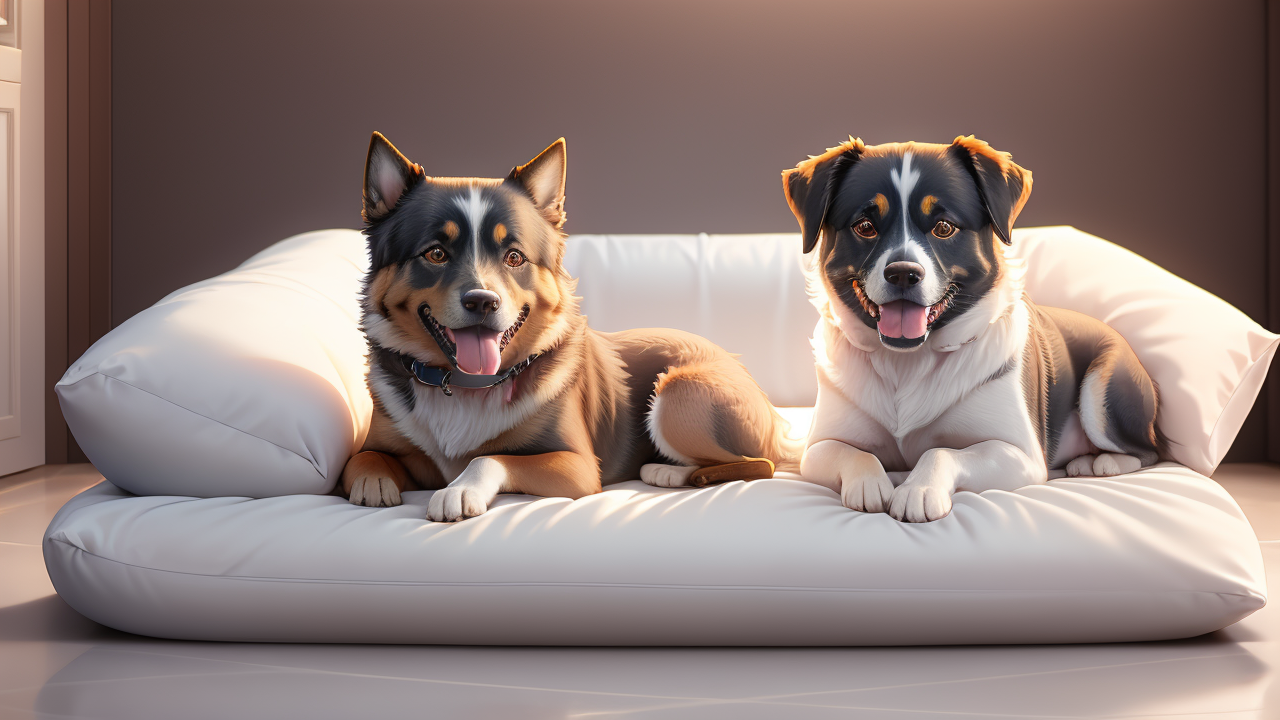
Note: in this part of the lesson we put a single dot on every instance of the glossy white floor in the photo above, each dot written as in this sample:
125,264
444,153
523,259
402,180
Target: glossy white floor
56,664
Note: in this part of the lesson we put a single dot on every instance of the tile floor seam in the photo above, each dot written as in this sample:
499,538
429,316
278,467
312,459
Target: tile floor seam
285,668
969,713
945,713
1001,677
19,486
1210,713
44,713
74,683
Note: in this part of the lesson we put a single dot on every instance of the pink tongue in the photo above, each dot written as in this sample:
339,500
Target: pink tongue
477,350
901,318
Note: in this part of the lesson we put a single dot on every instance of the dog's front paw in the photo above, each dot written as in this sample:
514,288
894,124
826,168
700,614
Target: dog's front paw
374,492
661,475
867,493
455,503
921,502
470,494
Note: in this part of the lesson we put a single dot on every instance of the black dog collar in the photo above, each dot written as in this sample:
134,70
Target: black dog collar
445,378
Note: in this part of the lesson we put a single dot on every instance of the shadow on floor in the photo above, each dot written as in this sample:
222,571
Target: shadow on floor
51,619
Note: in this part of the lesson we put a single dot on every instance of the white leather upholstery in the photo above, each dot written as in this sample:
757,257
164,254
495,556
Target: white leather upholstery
1162,553
252,383
744,292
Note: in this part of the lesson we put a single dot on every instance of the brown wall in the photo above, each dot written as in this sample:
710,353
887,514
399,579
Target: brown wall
236,123
77,196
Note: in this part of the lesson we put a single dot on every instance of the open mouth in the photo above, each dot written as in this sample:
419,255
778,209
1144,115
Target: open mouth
902,320
475,350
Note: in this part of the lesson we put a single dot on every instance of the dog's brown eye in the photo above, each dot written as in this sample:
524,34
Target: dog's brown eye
436,255
864,229
943,230
514,258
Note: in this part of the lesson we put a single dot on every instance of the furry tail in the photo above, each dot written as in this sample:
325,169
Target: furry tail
790,447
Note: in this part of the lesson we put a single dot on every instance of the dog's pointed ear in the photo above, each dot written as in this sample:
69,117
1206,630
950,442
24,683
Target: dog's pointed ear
542,179
388,175
810,184
1003,186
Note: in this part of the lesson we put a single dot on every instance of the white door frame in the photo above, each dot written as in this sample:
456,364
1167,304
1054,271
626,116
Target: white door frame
22,424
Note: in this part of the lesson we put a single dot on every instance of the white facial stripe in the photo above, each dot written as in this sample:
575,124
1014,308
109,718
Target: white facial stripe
905,182
920,256
476,207
876,287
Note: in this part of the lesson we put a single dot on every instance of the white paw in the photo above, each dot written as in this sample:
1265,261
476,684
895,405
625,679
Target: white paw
919,502
869,493
374,492
1082,465
1111,464
661,475
470,493
455,503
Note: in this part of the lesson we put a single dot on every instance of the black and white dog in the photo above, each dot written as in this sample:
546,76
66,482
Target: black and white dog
932,363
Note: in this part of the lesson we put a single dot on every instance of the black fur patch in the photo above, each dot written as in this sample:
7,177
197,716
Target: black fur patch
400,379
968,259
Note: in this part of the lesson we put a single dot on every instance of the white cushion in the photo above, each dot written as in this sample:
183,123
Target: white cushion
1208,358
1158,554
252,383
745,293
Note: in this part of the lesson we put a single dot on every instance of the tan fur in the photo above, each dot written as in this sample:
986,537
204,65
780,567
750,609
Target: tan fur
370,463
805,168
553,474
377,292
1005,162
709,413
576,417
882,204
926,204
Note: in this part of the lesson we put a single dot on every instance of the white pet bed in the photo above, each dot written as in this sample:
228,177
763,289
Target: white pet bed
249,385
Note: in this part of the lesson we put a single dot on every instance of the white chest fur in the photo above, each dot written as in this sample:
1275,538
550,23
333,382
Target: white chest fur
962,387
450,428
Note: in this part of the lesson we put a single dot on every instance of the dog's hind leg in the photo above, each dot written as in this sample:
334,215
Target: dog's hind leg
1118,404
662,475
716,424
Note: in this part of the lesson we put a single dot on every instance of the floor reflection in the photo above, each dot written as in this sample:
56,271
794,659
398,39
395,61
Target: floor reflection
157,679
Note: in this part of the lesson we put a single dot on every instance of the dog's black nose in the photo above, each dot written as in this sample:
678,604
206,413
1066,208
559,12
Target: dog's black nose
480,300
904,274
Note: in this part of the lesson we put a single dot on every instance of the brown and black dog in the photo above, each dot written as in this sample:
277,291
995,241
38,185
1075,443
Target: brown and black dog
486,378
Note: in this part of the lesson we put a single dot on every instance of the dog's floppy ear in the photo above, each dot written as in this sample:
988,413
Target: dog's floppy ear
542,179
1003,186
388,175
809,185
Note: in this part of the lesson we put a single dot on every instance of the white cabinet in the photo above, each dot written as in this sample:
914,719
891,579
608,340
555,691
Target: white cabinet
22,244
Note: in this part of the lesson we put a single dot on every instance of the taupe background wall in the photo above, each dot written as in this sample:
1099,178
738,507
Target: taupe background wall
237,123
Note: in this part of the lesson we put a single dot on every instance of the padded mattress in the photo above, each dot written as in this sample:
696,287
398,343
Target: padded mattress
1158,554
